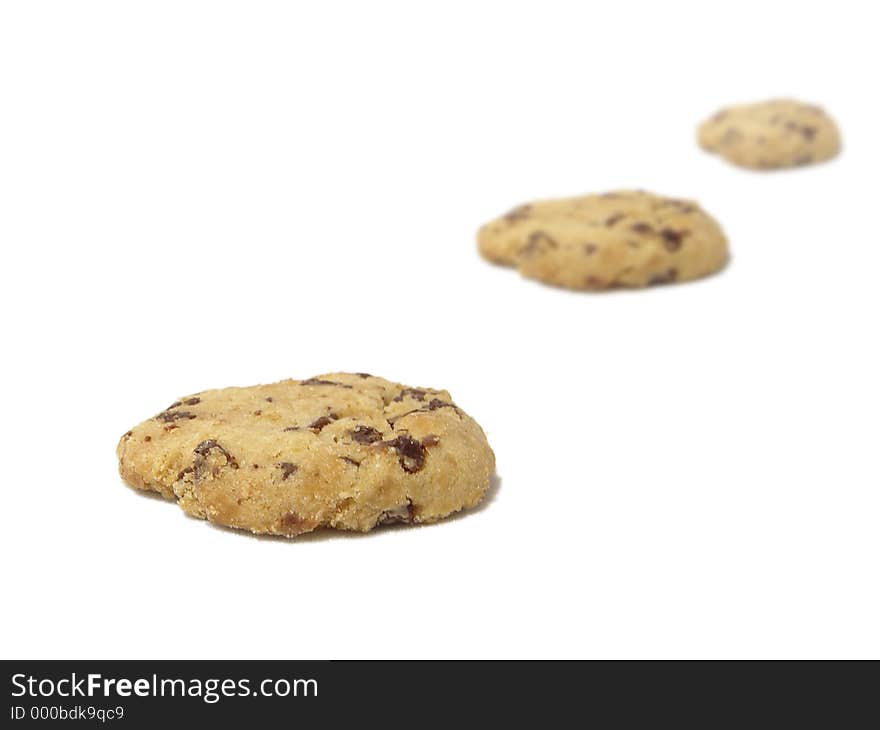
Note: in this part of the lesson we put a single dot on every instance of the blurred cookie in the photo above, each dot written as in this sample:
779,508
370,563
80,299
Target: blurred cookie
617,239
771,134
348,451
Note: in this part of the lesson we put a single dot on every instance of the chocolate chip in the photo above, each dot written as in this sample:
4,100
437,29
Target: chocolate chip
170,428
536,240
319,423
258,413
415,393
291,521
432,405
430,440
730,136
290,428
682,205
286,469
808,132
641,228
403,513
318,381
127,434
590,248
612,219
673,239
363,375
207,446
200,460
436,403
365,435
192,401
256,466
665,278
411,453
350,460
269,400
147,439
521,212
168,416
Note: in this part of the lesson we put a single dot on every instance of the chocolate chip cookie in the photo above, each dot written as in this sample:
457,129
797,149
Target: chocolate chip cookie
617,239
771,134
347,451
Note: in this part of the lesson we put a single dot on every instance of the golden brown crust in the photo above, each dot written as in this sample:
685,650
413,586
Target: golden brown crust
618,239
771,134
342,450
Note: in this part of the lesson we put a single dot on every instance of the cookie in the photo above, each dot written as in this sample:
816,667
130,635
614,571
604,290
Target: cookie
771,134
617,239
347,451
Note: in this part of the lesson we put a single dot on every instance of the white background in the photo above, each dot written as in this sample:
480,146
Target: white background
195,195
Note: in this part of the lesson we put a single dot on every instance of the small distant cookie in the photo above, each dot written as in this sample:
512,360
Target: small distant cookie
771,134
616,239
348,451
